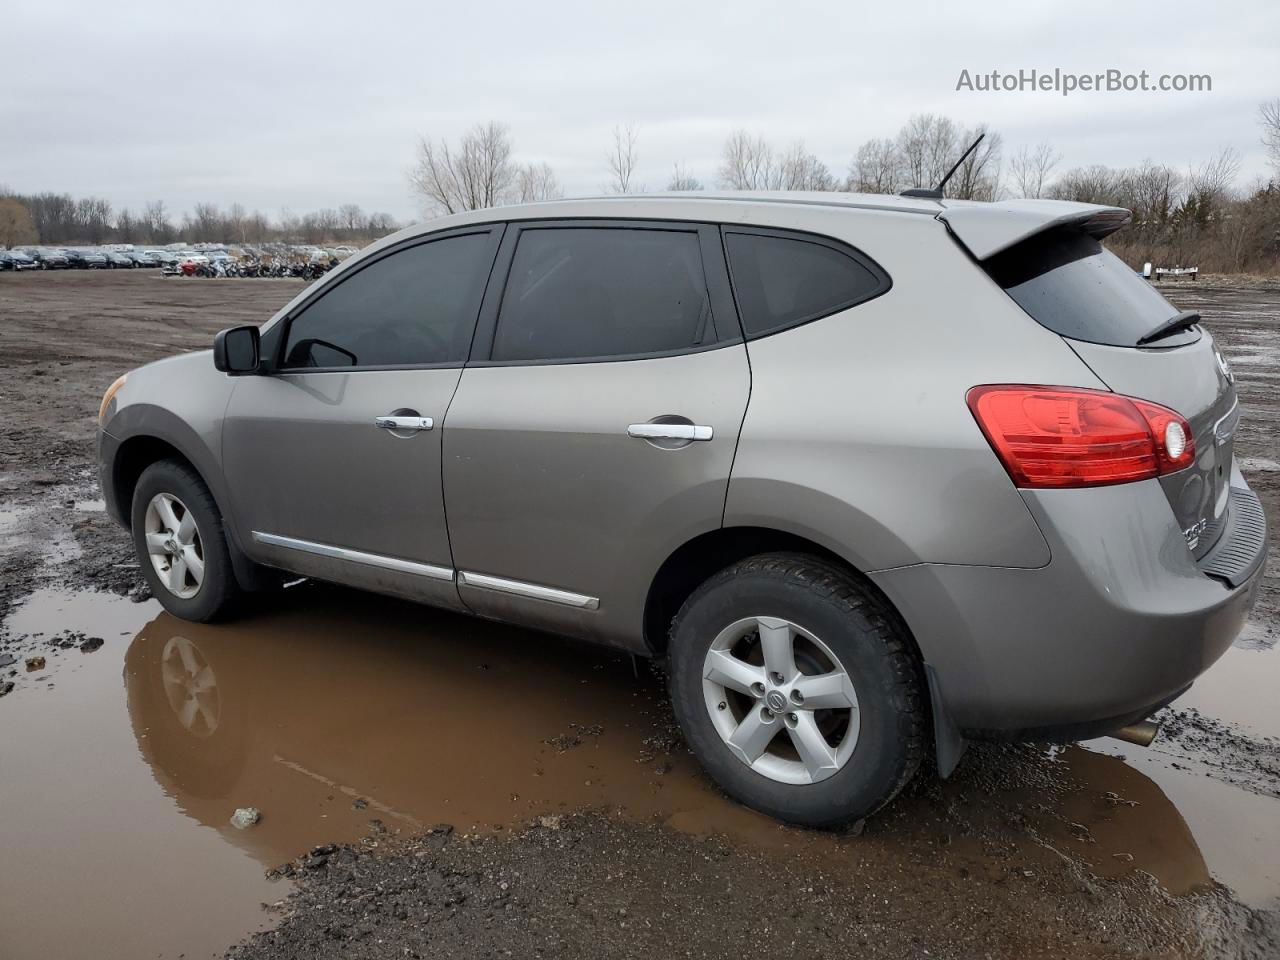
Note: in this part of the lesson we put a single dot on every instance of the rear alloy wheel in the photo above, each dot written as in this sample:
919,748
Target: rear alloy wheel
798,689
793,717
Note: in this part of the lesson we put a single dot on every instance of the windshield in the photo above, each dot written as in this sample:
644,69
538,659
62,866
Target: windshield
1067,281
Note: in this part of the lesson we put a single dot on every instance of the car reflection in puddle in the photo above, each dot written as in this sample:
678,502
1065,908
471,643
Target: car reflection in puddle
340,709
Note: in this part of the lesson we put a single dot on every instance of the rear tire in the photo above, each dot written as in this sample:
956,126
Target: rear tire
835,749
181,544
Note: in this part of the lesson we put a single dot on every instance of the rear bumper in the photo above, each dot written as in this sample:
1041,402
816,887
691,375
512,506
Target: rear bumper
1120,621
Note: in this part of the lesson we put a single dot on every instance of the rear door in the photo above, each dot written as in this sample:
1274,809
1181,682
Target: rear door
1068,283
594,429
333,456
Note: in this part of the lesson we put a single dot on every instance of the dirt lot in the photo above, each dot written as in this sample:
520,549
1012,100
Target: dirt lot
551,808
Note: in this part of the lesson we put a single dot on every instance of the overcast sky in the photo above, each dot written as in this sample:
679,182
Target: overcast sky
311,104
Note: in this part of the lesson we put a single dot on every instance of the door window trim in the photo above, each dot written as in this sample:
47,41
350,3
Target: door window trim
724,313
280,340
884,285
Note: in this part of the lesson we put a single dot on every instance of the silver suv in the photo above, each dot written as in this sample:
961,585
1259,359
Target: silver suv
876,475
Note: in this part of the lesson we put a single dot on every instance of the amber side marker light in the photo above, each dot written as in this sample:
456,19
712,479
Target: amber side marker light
1056,437
111,392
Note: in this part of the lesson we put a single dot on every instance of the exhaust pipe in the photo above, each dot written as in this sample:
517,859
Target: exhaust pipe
1141,733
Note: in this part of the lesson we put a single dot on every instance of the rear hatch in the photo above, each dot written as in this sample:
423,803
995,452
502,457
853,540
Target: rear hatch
1112,318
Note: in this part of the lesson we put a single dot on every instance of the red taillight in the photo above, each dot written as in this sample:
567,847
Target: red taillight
1071,437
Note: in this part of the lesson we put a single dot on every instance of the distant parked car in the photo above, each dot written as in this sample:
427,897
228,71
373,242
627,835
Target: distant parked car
85,259
118,261
21,260
52,259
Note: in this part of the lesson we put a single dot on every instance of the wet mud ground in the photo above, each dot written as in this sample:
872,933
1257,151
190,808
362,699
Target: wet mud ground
431,785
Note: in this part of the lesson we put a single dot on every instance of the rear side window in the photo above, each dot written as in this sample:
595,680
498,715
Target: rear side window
781,281
593,292
415,306
1070,284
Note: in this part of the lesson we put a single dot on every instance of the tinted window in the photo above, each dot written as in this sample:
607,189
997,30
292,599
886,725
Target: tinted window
415,306
1070,284
780,281
603,292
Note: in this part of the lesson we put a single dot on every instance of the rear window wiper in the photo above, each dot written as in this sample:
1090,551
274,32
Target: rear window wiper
1171,326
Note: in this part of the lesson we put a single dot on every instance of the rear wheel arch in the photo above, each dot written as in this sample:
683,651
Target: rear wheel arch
700,558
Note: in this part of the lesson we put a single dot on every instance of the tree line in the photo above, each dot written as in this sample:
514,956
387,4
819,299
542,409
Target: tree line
1200,215
61,219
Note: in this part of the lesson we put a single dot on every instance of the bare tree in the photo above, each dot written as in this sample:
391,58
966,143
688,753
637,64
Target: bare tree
128,227
751,163
1151,191
1215,178
801,170
156,217
1269,117
623,159
876,168
475,173
351,220
1095,184
1031,167
93,219
233,226
536,181
927,148
748,163
681,179
205,221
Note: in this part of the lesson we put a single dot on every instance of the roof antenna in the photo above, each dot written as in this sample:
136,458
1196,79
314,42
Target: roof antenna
936,192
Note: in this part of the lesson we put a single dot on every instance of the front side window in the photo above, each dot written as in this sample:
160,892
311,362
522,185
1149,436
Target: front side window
598,292
415,306
784,281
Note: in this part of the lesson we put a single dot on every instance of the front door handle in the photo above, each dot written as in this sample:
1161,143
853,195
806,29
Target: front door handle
404,423
669,431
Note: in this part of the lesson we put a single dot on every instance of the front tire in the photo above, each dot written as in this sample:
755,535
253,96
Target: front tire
181,544
798,690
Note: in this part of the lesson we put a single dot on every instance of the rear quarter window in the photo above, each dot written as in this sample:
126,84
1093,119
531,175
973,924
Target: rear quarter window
1068,282
783,280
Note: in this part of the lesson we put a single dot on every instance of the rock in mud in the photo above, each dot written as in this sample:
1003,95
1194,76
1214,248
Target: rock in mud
35,663
91,644
245,817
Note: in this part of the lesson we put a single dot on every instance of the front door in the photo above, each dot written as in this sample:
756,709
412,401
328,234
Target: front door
333,456
594,430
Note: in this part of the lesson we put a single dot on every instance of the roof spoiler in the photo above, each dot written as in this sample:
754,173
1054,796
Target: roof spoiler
986,229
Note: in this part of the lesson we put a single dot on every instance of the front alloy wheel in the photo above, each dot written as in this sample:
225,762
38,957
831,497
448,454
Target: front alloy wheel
174,545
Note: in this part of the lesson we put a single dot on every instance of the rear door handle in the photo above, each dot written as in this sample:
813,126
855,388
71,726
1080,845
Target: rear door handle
669,431
404,423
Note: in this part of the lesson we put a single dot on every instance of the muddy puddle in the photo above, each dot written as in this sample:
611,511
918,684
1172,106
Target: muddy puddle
338,715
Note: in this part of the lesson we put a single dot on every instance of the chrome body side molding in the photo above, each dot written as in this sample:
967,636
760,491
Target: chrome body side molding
532,591
428,570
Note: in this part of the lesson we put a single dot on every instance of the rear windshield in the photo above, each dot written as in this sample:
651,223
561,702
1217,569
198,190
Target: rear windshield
1069,283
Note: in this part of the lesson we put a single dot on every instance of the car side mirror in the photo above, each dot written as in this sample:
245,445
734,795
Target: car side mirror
236,350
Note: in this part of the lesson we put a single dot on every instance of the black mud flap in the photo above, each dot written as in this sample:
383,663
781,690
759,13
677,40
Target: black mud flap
948,743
